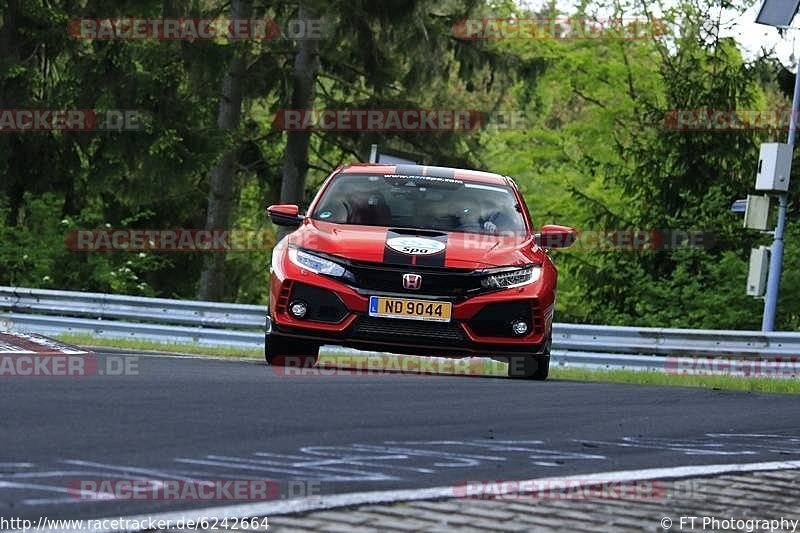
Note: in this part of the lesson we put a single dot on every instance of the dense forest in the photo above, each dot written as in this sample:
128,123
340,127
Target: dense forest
588,125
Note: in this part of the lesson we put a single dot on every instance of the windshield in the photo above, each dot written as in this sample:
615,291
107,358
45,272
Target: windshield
420,202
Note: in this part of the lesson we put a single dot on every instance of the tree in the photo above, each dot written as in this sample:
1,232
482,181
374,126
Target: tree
304,80
601,156
221,190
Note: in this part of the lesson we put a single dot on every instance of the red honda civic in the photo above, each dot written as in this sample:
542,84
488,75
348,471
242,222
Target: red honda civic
417,260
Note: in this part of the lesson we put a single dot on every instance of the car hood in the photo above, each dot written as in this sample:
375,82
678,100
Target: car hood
397,246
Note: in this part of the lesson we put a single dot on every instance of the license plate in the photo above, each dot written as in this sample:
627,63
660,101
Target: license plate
409,309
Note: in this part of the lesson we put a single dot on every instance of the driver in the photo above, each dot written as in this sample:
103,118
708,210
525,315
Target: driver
369,208
465,211
493,217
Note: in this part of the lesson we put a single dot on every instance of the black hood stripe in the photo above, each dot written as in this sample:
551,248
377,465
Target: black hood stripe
392,256
433,260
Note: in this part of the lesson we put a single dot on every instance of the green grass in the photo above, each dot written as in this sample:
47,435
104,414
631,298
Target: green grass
150,346
644,377
485,367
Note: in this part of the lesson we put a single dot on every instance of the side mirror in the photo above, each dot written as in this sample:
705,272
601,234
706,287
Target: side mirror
285,215
553,236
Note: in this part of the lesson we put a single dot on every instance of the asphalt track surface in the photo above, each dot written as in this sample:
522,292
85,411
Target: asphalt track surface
190,418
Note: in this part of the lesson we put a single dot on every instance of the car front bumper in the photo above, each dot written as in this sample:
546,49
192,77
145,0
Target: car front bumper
480,324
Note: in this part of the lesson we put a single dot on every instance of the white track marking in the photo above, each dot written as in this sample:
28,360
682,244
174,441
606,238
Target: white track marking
682,447
132,470
754,435
355,461
532,448
355,475
325,464
56,474
45,488
318,503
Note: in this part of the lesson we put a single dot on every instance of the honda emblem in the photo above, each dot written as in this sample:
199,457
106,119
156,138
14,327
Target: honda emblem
412,282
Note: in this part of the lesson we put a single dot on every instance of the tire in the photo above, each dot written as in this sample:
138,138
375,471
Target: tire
535,367
286,351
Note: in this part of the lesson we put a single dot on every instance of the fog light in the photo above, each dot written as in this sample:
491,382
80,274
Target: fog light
298,309
519,327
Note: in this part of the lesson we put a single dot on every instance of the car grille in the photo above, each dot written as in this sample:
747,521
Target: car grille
413,331
435,282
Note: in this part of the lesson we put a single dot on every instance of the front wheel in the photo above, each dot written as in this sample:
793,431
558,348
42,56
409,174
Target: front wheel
286,351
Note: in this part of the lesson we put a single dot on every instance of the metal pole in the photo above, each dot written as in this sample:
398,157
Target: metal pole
776,250
775,262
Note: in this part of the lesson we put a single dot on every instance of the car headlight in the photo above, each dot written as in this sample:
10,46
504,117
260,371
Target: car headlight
512,278
315,263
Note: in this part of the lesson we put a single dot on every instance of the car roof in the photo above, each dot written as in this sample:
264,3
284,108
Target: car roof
475,176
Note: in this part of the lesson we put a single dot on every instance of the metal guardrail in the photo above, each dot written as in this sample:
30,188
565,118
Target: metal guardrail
136,308
665,341
111,329
52,312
